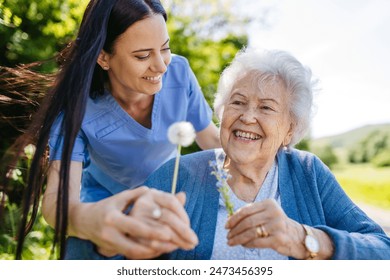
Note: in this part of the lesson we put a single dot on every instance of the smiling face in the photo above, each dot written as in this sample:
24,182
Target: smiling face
256,120
139,59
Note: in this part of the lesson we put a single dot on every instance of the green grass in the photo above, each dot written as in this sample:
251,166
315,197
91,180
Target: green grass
365,183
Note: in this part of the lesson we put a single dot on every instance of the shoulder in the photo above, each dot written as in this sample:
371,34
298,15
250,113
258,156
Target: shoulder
191,163
178,72
305,166
98,107
192,167
298,156
201,157
305,161
179,61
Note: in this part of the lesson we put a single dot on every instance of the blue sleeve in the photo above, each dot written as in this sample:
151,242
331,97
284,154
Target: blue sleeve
199,111
56,143
80,249
354,234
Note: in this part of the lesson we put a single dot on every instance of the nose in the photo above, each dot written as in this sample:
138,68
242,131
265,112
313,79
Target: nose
158,64
248,116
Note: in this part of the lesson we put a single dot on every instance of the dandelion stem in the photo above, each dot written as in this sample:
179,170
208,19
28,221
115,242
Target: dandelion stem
176,171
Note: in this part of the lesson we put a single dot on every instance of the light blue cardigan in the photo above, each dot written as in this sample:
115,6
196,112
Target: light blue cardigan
309,194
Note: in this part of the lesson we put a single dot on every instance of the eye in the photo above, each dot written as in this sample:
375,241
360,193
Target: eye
168,49
267,108
237,102
143,57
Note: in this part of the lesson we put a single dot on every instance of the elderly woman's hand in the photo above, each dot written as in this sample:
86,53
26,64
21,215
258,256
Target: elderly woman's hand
265,225
156,224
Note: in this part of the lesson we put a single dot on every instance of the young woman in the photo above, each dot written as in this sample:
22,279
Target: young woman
106,121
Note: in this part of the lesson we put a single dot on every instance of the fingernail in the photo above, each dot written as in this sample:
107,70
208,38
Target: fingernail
191,246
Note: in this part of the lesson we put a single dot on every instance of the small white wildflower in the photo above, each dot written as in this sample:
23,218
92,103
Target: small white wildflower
181,133
29,150
14,174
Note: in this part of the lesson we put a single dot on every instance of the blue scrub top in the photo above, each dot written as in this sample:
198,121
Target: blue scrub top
119,153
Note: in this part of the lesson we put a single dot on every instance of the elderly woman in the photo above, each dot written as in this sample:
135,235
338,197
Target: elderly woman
287,204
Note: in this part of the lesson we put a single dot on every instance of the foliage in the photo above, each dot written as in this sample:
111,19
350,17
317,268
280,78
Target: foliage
34,30
382,159
30,31
38,243
303,145
327,155
371,146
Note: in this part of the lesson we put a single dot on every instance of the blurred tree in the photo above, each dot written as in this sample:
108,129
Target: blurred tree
304,144
34,30
30,30
327,155
370,147
208,34
382,159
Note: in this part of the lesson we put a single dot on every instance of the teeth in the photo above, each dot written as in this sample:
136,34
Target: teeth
153,78
247,135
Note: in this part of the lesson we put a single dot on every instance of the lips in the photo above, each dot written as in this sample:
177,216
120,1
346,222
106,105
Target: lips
246,135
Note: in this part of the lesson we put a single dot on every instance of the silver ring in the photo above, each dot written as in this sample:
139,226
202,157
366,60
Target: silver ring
156,214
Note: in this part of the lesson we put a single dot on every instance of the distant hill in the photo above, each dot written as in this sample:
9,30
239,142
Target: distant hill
349,138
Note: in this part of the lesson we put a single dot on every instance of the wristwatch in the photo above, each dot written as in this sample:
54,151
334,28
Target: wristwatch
311,243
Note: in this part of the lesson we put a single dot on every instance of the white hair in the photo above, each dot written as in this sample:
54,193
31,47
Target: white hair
272,65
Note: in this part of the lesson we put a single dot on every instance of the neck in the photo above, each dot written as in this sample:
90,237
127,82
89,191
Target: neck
247,179
139,107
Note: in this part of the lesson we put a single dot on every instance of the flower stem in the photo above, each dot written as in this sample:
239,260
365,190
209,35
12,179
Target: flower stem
176,171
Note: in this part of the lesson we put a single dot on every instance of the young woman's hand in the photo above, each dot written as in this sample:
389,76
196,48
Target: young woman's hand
157,223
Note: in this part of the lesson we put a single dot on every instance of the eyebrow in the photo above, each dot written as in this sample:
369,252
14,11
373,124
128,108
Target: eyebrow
148,50
237,93
271,100
262,99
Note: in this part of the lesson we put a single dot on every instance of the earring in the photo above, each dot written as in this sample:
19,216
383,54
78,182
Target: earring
284,145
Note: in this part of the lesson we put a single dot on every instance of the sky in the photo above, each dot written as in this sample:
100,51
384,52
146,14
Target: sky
346,43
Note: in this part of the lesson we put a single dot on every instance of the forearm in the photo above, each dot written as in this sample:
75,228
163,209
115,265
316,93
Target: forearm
76,209
208,138
373,245
77,218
